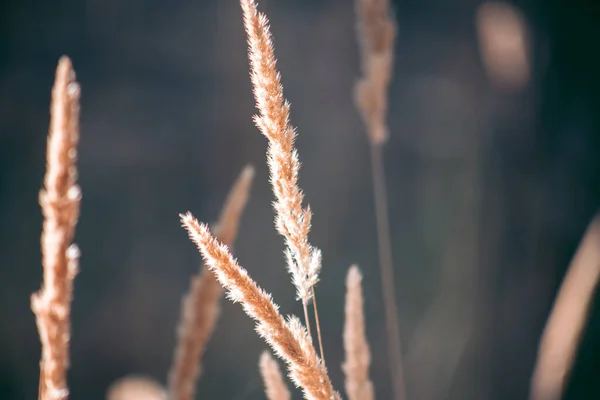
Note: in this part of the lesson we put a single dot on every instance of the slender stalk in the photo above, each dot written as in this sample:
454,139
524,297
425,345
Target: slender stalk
387,271
562,334
318,324
306,318
376,31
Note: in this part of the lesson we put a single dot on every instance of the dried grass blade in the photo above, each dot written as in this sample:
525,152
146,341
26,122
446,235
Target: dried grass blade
288,339
200,308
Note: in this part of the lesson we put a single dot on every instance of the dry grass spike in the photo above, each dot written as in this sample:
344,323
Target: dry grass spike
376,37
358,354
291,219
200,309
60,200
288,339
275,387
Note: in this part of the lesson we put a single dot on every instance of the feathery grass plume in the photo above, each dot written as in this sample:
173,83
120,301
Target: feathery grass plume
59,200
200,308
358,354
275,387
376,37
291,219
288,339
563,330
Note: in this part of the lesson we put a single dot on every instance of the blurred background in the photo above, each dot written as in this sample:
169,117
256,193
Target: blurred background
493,170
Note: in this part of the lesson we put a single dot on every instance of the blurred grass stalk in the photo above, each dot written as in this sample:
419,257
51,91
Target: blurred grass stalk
563,331
376,32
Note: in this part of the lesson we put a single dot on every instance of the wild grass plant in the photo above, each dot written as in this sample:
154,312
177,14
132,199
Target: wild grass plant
297,343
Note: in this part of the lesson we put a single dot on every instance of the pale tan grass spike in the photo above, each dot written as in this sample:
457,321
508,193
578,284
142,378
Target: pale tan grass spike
291,219
200,308
358,354
558,346
288,338
275,387
60,201
376,38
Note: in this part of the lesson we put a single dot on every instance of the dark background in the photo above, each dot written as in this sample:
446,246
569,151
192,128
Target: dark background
490,190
